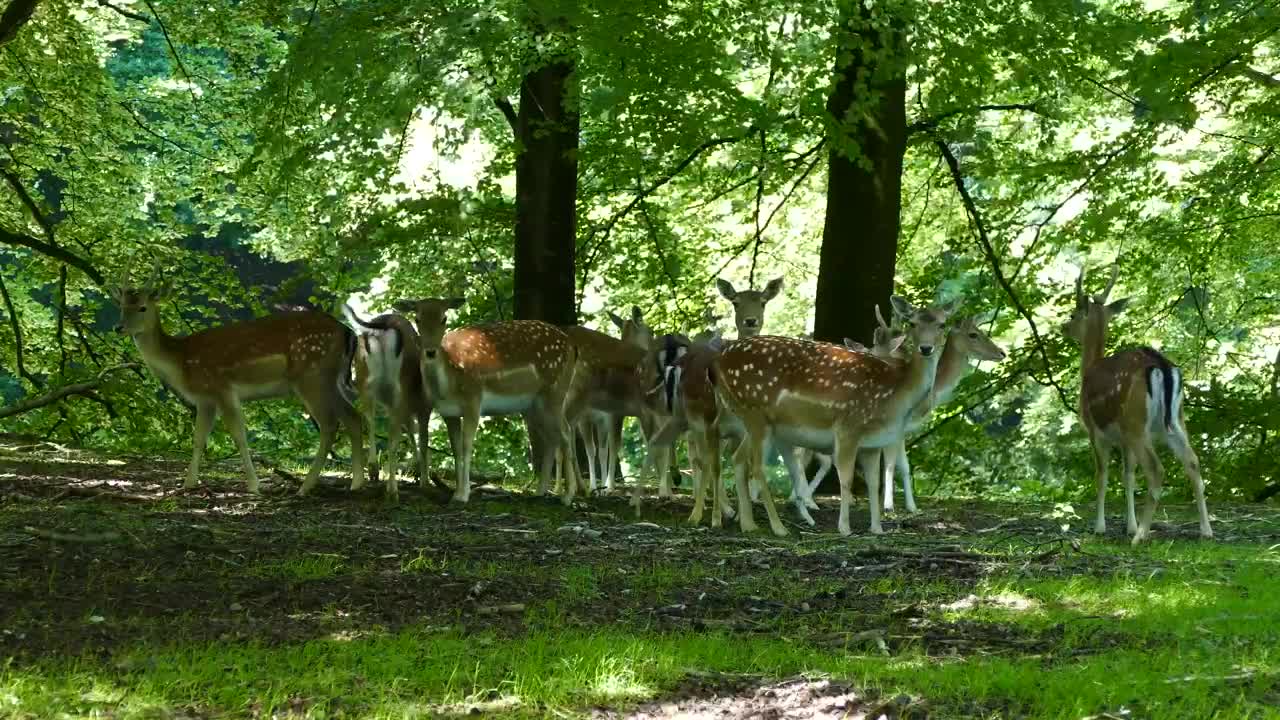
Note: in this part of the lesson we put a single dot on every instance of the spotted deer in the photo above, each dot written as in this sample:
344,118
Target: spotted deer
306,353
965,342
615,378
748,305
1127,400
515,367
801,393
389,379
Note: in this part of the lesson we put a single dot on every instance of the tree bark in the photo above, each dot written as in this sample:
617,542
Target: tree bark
16,14
546,196
867,140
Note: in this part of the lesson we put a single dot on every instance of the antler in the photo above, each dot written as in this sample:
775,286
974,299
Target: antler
880,318
1115,273
1080,288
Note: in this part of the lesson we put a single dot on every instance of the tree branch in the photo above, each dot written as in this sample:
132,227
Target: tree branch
15,16
15,182
127,13
981,231
82,388
509,113
191,86
932,123
17,334
1265,79
54,251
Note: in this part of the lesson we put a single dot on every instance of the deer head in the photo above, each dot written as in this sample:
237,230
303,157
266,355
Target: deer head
430,315
748,305
1093,314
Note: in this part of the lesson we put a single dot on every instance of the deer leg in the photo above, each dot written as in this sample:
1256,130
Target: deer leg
1130,516
699,482
872,465
234,418
797,481
887,458
1100,457
846,459
761,443
741,460
824,467
903,466
1179,444
205,413
399,418
1154,471
587,432
466,446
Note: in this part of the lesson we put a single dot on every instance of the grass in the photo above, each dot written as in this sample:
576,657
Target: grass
224,606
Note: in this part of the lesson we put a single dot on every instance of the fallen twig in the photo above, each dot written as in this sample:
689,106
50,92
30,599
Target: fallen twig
57,536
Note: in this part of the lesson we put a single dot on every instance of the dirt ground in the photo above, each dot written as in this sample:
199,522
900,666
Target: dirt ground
83,537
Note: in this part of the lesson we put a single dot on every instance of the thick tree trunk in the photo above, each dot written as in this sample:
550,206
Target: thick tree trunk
16,14
546,204
546,195
866,144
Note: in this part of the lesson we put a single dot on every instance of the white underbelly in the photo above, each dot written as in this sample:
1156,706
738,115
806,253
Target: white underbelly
259,391
819,439
490,404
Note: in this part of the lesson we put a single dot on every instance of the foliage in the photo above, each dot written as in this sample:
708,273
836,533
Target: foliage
362,141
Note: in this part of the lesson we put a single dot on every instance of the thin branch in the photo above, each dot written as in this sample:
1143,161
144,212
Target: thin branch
1266,79
126,13
672,284
509,113
62,392
733,255
60,327
150,131
981,231
15,182
191,86
755,251
932,122
54,251
17,334
17,14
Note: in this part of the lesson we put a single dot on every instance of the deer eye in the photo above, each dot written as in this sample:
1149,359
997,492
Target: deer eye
142,308
973,335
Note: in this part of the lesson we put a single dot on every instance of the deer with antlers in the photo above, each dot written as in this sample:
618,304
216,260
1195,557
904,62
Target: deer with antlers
965,342
389,378
306,353
1127,400
801,393
514,367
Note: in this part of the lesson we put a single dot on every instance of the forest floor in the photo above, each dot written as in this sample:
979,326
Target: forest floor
121,597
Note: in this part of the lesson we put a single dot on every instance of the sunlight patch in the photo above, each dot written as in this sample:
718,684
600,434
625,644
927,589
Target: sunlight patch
1004,601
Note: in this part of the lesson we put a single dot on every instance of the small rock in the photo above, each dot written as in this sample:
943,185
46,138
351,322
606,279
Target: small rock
236,607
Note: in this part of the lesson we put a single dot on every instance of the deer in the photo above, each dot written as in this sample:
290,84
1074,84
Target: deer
748,305
821,396
389,377
615,378
499,368
1128,400
306,353
965,342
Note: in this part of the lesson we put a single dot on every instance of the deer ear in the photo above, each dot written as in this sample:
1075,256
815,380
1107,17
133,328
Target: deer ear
901,306
636,316
772,289
896,344
854,345
455,302
950,308
726,289
1117,306
617,319
161,292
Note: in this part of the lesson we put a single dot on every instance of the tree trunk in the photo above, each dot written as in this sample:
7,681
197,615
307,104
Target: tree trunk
546,204
867,139
546,195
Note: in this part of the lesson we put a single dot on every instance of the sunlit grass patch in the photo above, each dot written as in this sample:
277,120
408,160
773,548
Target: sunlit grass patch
309,566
